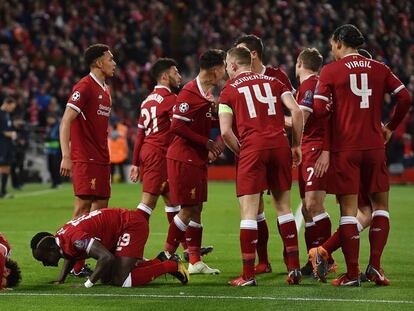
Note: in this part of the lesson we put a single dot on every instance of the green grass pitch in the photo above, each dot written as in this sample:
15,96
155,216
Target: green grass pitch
38,209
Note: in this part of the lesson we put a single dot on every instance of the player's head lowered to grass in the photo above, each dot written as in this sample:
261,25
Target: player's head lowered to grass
346,39
45,249
11,274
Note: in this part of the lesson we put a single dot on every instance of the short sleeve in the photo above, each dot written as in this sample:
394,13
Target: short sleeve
393,85
225,95
306,101
186,107
79,97
81,242
323,87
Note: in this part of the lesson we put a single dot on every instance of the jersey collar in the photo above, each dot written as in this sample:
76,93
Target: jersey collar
97,81
159,86
308,76
352,54
200,89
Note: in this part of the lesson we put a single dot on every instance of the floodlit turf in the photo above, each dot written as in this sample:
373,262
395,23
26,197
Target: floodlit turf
38,209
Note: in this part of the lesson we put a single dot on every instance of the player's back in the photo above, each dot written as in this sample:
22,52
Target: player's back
156,112
4,244
104,225
256,103
358,86
280,75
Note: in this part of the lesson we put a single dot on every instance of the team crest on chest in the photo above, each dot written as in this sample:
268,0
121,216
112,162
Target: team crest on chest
93,183
184,107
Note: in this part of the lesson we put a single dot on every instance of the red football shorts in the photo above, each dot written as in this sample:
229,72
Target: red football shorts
307,178
153,170
188,183
355,169
134,236
264,169
91,179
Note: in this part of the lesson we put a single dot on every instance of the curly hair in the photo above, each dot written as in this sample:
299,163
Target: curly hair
14,278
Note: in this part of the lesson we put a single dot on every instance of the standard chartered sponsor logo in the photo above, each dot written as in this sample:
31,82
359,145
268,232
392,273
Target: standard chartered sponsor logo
104,110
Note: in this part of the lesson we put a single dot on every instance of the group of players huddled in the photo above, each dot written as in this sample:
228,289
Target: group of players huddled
337,145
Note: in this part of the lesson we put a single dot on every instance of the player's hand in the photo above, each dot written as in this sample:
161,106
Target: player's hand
387,133
212,100
66,167
211,157
322,164
296,156
57,282
214,148
134,173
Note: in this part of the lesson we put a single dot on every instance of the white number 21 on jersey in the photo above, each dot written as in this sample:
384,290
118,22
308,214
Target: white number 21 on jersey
146,114
268,99
364,92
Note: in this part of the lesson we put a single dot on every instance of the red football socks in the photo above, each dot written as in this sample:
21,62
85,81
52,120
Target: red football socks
78,266
378,236
310,235
176,233
144,210
143,275
349,235
289,236
263,237
193,237
248,241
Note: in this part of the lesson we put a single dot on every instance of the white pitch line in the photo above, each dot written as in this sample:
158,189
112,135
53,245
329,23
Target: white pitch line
34,193
410,302
299,217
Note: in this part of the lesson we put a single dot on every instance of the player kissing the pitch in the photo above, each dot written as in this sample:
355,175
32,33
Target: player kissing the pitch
116,238
265,158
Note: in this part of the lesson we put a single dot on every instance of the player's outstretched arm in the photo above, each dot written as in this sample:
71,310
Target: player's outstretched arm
67,267
64,132
297,126
104,262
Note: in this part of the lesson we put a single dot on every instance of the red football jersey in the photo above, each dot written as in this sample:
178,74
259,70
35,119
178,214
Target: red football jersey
356,85
89,131
105,225
4,245
279,74
257,108
193,108
314,131
156,113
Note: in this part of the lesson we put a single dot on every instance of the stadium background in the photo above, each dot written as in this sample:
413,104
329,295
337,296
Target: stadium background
41,45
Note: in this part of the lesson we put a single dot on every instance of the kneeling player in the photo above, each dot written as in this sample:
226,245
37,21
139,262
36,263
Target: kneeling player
9,270
116,239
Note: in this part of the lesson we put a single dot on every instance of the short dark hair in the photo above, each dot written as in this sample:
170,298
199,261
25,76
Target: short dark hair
212,58
93,52
162,65
241,54
365,53
13,279
253,43
311,59
349,35
37,238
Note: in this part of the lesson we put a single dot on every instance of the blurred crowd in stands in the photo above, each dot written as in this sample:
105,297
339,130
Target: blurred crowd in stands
42,43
